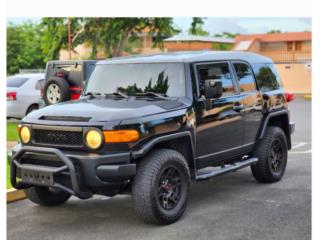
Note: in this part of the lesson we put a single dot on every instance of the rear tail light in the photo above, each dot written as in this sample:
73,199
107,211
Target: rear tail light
75,92
11,96
289,96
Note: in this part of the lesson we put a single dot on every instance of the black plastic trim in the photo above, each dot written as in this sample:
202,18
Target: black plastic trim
116,172
148,146
270,115
113,167
70,166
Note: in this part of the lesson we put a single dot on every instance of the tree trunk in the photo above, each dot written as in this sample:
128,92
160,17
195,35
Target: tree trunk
123,42
94,51
115,49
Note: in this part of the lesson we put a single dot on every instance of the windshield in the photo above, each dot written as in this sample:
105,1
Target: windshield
131,79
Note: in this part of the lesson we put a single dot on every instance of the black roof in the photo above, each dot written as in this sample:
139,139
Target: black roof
188,57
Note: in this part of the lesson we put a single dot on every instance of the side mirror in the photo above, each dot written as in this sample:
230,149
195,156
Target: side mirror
213,88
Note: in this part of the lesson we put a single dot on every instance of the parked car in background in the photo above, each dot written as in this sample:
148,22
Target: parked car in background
64,80
23,94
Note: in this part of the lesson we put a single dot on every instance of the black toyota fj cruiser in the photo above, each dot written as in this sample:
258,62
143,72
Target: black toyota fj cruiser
148,125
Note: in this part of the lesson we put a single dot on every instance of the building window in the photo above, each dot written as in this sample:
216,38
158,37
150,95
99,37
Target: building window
290,46
298,46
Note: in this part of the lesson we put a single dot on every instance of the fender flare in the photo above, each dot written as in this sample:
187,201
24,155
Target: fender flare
268,117
150,144
266,121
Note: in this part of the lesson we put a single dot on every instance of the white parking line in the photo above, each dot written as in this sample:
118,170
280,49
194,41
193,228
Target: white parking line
297,145
301,152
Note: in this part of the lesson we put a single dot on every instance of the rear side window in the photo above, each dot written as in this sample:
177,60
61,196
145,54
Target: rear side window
275,74
16,81
218,71
245,77
267,77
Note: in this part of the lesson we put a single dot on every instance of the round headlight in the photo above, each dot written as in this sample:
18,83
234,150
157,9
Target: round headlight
25,134
93,139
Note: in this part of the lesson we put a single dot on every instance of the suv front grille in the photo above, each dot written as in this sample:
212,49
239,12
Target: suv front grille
43,162
57,137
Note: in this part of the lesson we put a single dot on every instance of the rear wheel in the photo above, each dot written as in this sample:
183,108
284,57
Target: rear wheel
56,90
46,196
272,152
160,188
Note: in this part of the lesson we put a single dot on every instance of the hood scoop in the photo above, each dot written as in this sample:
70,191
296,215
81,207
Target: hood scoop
66,118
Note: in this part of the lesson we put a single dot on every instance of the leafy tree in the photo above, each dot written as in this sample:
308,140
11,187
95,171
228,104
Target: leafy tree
274,31
109,34
31,45
226,35
24,47
196,27
55,35
112,34
222,46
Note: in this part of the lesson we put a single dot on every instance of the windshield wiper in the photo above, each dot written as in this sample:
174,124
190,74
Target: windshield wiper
118,93
152,94
92,94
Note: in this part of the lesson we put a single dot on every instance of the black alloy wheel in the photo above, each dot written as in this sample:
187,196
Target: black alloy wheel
169,192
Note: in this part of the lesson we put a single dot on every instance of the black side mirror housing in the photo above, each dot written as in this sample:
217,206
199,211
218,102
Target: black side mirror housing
213,88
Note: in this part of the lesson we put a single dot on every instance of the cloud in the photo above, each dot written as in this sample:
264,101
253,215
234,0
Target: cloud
219,25
256,25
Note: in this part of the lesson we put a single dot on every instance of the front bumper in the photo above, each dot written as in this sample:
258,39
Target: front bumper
80,174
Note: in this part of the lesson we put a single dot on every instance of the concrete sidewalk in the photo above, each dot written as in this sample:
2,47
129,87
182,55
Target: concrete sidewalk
10,145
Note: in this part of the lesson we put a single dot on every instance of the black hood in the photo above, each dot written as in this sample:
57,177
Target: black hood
104,109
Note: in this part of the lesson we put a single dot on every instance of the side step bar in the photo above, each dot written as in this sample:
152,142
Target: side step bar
206,173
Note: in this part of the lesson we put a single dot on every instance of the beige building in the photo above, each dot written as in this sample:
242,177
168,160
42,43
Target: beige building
290,51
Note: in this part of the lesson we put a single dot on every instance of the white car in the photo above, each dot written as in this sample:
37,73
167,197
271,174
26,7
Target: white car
23,94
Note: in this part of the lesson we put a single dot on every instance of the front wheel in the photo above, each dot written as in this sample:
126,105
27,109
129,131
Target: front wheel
46,196
161,186
272,152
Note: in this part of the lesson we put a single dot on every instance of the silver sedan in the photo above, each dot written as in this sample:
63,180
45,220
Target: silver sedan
23,94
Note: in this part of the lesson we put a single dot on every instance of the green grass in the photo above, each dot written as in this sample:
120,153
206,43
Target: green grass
8,174
12,135
12,131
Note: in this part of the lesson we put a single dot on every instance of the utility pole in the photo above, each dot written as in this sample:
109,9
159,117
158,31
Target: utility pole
69,38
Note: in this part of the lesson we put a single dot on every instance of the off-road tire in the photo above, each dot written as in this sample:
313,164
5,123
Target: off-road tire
64,88
45,197
146,186
262,170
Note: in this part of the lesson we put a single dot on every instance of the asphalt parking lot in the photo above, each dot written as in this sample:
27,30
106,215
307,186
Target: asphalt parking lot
232,206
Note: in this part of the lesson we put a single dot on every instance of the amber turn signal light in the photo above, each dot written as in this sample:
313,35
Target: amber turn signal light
117,136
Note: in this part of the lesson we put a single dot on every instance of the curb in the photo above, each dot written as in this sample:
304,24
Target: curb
15,195
308,96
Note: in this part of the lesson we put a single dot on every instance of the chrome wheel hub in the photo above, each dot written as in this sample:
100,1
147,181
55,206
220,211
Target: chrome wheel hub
53,93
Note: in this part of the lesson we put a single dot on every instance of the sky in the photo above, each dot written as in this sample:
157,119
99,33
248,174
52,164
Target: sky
249,25
233,25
